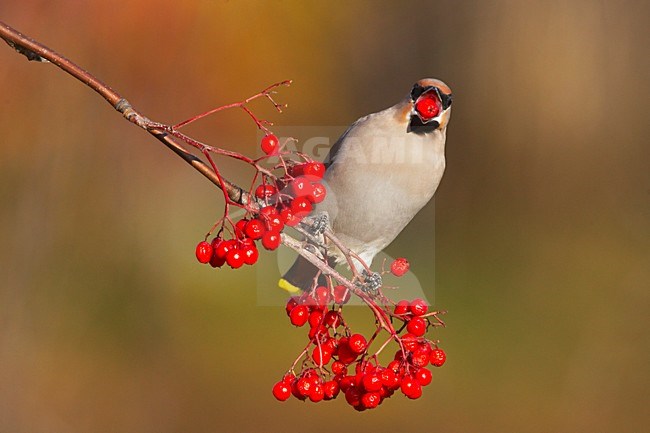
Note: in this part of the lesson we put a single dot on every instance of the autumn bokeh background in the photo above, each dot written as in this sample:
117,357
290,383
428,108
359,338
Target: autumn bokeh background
542,222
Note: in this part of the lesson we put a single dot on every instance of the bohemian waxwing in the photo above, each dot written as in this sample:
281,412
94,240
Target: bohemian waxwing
380,173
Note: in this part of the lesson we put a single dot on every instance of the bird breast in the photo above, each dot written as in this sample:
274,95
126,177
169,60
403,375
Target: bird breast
380,178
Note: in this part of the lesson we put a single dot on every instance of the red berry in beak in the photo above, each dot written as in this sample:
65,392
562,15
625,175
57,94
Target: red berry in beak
427,107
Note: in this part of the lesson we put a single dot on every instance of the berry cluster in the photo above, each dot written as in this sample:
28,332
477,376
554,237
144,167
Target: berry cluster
333,349
284,201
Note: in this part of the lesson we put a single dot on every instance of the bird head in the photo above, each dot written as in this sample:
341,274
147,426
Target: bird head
429,106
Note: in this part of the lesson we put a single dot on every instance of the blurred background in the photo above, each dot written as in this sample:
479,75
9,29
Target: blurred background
542,221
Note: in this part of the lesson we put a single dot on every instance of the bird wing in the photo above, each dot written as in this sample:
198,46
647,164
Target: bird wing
331,156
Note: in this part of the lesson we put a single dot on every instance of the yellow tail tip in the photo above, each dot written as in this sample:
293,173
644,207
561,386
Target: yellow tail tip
285,285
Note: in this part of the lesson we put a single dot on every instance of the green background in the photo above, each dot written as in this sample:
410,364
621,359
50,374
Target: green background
542,257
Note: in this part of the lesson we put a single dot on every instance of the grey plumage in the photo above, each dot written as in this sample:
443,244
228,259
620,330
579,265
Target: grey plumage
380,173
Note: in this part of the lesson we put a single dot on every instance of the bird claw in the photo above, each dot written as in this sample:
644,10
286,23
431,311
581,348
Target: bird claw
316,224
371,283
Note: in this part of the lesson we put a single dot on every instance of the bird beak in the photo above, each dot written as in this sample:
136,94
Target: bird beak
444,99
422,123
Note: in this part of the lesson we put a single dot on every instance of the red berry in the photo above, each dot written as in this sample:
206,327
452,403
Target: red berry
301,187
394,366
346,382
399,266
254,229
289,217
411,387
426,348
305,385
332,319
281,391
345,353
235,258
317,393
338,368
296,170
341,294
417,326
314,169
420,358
268,211
204,252
427,107
357,343
301,207
402,307
315,331
291,303
271,240
299,315
250,254
331,389
239,228
307,300
318,193
321,355
389,379
216,261
353,396
418,307
270,144
423,376
330,344
289,378
363,368
265,191
372,382
410,342
273,222
437,357
385,393
224,247
370,400
322,295
294,390
315,318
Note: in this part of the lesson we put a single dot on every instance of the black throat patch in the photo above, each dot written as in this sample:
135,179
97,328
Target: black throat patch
416,126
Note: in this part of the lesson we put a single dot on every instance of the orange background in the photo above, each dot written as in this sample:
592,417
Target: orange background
542,220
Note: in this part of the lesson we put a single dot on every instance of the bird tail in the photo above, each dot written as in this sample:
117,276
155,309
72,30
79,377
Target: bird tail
301,277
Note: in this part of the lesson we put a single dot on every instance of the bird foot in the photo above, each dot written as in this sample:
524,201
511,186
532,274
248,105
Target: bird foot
316,224
371,283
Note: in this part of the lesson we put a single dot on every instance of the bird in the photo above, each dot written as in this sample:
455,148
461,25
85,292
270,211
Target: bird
379,174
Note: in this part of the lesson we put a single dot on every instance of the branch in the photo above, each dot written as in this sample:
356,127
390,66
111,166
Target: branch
36,51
